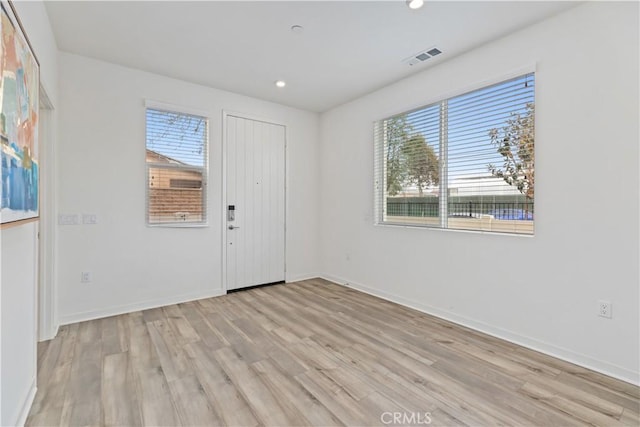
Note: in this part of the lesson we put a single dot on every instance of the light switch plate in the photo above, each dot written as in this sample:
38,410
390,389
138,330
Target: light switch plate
89,219
68,219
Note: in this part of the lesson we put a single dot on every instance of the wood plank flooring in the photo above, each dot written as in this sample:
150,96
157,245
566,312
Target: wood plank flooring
309,353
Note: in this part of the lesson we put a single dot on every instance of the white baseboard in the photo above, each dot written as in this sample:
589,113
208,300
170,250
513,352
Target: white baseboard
21,419
143,305
531,343
161,302
146,305
51,334
301,277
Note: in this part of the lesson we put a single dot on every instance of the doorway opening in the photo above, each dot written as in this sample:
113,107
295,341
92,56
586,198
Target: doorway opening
46,293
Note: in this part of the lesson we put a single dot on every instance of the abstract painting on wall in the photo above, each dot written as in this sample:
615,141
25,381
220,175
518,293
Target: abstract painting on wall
19,91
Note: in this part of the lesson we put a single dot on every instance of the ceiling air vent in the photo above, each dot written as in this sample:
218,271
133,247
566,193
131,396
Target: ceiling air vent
422,56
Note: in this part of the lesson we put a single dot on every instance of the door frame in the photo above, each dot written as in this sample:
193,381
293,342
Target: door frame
46,295
225,115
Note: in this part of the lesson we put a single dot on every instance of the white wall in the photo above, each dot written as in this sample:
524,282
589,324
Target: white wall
18,321
539,291
20,255
587,96
101,170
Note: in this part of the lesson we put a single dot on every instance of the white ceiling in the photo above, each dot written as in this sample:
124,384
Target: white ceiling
347,49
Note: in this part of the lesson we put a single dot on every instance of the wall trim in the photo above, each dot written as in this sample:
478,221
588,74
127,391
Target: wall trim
301,277
46,288
26,406
552,350
51,333
161,302
144,305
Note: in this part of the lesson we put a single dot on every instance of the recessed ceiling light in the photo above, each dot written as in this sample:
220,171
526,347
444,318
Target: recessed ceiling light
415,4
297,29
281,83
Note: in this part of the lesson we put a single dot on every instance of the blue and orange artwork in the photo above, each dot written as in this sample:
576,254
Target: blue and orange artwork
19,86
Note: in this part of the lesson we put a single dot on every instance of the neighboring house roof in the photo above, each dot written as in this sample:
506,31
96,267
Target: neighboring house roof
161,158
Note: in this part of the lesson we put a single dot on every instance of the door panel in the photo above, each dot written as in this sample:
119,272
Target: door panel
256,189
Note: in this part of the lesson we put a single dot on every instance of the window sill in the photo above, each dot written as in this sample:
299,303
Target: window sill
456,230
178,225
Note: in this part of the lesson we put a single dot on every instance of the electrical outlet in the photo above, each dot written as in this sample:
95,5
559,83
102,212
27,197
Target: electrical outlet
85,277
604,309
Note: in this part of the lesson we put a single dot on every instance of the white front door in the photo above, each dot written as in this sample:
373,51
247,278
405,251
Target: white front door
255,193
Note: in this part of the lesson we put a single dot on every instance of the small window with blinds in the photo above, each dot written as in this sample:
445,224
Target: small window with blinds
464,163
176,168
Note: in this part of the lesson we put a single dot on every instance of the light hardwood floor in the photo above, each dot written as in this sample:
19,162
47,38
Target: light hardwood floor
309,353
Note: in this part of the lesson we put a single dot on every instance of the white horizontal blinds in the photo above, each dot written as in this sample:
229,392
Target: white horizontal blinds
464,163
408,167
176,158
490,157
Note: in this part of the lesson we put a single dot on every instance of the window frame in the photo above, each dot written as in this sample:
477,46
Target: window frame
379,163
204,170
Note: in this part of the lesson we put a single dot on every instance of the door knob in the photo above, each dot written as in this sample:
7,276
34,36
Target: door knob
232,227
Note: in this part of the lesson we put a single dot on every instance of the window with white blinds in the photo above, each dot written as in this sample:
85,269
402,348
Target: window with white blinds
463,163
176,168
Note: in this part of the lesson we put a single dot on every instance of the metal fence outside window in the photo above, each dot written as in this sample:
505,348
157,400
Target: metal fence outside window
522,211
